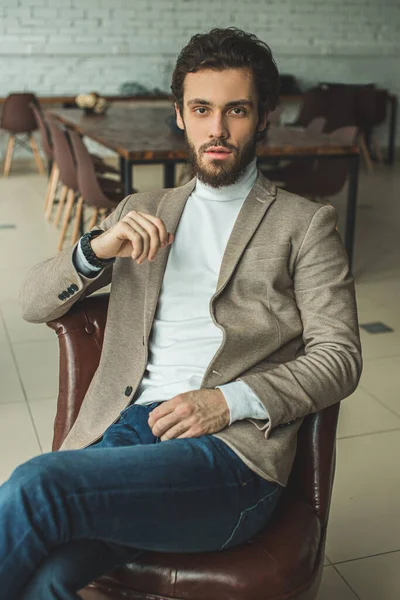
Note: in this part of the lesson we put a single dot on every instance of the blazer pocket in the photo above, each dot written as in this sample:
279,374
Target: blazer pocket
266,252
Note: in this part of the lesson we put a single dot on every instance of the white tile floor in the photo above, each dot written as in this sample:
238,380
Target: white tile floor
363,546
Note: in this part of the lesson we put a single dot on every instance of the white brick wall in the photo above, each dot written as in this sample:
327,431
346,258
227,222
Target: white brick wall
73,46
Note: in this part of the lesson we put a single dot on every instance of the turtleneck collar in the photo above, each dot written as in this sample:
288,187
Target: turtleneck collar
238,190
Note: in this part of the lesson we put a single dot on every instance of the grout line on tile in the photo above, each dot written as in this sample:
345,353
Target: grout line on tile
343,562
21,382
381,402
347,583
360,435
365,360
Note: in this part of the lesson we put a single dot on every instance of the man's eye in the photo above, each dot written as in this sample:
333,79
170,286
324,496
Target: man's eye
238,111
200,110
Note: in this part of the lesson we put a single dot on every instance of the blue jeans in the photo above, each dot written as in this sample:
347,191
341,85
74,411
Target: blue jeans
68,517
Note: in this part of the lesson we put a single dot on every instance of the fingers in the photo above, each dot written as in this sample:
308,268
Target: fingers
181,430
153,235
141,243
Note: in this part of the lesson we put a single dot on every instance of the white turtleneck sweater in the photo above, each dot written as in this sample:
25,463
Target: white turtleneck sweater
184,338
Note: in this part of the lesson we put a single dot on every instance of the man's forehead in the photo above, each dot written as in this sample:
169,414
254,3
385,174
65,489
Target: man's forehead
217,85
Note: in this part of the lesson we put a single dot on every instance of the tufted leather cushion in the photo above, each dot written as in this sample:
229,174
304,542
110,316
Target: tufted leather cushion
283,561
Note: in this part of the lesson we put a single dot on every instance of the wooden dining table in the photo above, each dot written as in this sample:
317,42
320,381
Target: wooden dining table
144,135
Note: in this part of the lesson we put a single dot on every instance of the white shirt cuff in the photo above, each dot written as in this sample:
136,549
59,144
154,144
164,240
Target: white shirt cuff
243,403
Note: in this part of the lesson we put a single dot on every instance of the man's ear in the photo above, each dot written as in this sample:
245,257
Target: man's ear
179,120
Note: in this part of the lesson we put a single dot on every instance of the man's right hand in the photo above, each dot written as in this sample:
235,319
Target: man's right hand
137,235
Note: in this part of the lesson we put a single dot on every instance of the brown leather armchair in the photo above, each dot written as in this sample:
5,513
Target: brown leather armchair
285,561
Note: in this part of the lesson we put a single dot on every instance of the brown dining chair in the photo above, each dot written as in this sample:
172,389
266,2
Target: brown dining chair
64,160
47,147
320,178
284,561
17,118
296,168
316,126
100,193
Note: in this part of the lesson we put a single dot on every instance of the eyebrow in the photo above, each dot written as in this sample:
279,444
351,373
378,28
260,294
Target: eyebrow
242,101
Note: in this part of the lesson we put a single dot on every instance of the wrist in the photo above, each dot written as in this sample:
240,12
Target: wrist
91,251
96,247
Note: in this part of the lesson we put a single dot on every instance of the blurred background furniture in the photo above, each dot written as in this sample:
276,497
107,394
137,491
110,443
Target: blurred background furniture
141,135
17,118
68,175
47,147
317,179
362,106
100,193
283,561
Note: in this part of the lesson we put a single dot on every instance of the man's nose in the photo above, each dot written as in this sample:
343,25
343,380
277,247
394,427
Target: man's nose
218,128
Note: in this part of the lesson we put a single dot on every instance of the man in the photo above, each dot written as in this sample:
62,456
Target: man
232,316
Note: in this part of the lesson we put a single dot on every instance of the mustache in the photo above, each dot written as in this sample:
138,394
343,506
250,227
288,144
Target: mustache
216,143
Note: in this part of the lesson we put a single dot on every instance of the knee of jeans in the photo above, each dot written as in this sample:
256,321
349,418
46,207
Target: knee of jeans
40,468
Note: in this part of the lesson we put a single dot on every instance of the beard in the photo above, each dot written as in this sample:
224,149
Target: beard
219,173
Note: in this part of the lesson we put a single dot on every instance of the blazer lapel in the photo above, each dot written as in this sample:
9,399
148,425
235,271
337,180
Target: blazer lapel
170,211
260,198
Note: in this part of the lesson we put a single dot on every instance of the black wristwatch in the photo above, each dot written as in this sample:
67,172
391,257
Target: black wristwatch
88,253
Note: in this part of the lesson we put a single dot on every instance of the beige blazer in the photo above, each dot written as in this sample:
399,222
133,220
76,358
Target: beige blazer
284,299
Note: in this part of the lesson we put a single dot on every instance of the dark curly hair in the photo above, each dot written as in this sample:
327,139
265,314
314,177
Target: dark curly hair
229,48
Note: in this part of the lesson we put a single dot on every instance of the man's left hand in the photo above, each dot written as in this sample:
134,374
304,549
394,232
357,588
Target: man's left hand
191,414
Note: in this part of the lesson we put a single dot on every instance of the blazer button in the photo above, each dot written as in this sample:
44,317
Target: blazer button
128,390
71,290
74,287
61,296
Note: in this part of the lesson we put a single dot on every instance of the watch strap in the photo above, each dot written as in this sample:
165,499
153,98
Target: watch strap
88,252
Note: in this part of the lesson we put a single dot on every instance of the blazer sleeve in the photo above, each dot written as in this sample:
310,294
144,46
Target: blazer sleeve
51,287
330,368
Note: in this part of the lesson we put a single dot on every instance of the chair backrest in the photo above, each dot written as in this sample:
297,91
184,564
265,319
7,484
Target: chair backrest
345,135
313,105
81,333
17,115
88,183
316,125
381,104
63,154
329,176
47,144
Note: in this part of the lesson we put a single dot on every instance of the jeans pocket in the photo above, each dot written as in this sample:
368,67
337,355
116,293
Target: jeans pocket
254,518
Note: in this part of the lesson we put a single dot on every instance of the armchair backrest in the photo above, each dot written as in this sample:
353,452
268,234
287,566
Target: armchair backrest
80,333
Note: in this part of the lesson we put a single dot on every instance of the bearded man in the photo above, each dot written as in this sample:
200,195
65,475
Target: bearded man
232,316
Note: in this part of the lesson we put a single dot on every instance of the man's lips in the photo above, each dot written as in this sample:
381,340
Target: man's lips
218,152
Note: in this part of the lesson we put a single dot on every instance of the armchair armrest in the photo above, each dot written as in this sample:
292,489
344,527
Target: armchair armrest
80,334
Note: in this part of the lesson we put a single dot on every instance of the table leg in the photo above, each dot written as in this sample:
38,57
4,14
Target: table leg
354,162
128,178
392,130
169,175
